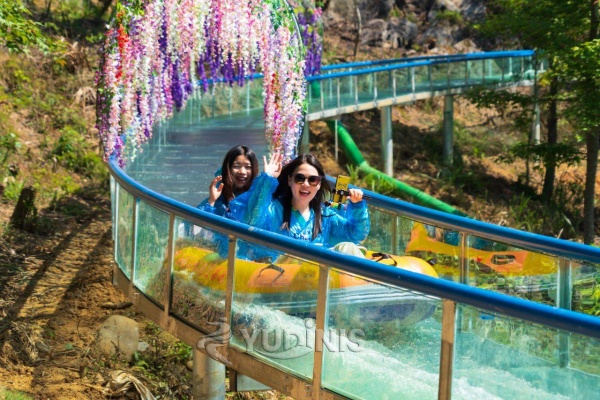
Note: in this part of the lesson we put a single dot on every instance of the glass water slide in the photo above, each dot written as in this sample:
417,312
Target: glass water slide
508,316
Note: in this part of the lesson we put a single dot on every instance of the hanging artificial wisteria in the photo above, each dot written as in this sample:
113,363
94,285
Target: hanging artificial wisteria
158,52
311,30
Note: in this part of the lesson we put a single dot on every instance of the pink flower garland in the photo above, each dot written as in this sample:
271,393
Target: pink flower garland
153,53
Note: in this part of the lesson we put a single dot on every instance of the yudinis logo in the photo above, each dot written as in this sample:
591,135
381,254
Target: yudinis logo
281,342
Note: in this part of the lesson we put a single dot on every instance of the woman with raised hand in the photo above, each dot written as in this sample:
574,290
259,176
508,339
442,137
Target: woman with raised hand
239,168
290,200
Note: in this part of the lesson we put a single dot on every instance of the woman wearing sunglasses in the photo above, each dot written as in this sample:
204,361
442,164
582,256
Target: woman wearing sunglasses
289,201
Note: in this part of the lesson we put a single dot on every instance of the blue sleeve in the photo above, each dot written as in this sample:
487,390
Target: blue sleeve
259,200
219,207
255,207
351,226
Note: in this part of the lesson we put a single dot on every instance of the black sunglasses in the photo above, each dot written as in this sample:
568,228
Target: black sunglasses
313,180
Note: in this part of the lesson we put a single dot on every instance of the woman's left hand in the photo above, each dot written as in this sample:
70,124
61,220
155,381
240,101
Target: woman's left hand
356,195
273,166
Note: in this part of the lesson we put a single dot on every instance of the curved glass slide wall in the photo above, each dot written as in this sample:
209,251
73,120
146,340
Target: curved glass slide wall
199,275
512,359
377,340
422,77
124,230
151,265
488,264
380,341
274,309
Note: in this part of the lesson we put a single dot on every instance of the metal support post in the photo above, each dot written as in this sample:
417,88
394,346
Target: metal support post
564,293
305,139
448,129
387,144
208,378
447,351
335,134
464,259
320,325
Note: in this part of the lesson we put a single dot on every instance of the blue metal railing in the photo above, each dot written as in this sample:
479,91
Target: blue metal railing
486,300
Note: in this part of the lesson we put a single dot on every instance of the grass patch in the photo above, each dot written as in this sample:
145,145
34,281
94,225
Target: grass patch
14,395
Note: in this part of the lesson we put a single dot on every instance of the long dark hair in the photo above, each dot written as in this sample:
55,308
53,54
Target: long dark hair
284,192
229,190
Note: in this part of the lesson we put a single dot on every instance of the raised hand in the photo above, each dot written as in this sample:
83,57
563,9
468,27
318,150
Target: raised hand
356,195
214,192
273,166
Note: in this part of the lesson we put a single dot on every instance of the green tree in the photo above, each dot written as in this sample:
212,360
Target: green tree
562,32
18,30
580,68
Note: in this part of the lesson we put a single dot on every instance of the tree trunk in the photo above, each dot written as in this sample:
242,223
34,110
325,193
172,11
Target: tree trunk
358,28
594,19
592,145
105,5
589,193
24,210
550,162
48,6
325,5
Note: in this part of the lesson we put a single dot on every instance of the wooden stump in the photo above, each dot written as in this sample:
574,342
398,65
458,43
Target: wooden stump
25,210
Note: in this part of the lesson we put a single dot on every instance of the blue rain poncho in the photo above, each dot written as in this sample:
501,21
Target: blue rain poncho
350,224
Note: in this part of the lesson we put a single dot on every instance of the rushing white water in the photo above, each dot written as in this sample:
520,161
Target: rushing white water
358,365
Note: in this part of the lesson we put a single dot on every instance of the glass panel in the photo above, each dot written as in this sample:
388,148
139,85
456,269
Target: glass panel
365,87
438,246
502,357
199,275
344,86
584,356
382,232
422,75
385,84
512,270
438,76
314,96
151,265
380,341
113,207
124,243
586,288
274,307
389,233
495,70
403,80
457,73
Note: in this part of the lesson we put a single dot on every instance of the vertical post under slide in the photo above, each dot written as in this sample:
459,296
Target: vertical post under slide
564,295
447,352
208,377
322,293
387,144
448,129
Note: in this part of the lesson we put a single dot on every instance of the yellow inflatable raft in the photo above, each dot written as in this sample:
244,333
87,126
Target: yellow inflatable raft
290,285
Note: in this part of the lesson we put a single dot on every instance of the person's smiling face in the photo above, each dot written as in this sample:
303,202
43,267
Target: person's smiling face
303,190
241,171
